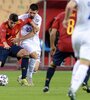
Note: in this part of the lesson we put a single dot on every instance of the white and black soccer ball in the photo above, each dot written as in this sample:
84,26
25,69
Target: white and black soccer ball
3,80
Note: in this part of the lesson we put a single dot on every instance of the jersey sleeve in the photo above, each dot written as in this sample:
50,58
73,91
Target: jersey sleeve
24,22
37,20
3,33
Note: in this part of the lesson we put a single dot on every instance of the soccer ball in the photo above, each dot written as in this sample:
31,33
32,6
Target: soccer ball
3,80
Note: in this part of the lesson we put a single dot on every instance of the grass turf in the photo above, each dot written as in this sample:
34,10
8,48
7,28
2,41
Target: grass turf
58,88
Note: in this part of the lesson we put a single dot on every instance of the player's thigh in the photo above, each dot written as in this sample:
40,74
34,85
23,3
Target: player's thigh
85,54
4,53
36,54
59,57
76,43
17,51
31,49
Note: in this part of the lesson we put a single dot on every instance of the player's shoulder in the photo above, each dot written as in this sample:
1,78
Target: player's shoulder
23,16
60,15
38,18
4,24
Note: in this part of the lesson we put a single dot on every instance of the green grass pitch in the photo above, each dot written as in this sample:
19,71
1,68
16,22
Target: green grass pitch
58,88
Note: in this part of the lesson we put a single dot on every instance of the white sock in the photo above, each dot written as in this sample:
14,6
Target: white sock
31,67
75,68
79,77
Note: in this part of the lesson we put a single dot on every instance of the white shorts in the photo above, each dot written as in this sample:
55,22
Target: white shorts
32,48
81,44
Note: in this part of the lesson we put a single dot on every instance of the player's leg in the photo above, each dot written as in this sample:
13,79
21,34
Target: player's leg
36,66
49,74
18,51
85,85
31,67
3,56
57,60
75,68
82,70
30,70
87,78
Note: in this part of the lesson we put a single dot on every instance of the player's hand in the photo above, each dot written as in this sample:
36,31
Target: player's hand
6,46
15,40
65,23
53,50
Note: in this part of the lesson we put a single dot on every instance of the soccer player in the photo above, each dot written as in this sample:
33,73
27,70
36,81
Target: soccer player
32,44
8,30
80,42
64,46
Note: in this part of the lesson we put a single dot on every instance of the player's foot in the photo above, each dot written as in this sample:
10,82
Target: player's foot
71,95
24,82
46,89
30,81
86,88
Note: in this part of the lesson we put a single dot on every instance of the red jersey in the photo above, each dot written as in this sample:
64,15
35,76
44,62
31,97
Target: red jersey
64,43
7,33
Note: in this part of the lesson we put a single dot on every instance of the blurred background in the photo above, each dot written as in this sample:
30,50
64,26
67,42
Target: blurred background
48,9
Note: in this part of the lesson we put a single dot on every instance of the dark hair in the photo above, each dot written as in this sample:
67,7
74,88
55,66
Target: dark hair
13,17
33,7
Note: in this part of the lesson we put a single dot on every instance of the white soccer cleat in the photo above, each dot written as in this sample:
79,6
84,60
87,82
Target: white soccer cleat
71,94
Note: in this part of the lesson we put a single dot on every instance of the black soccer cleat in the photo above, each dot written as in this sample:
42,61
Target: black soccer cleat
46,89
86,88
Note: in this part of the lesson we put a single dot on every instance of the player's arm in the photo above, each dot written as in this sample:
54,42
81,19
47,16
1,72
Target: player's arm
35,27
29,35
52,40
17,40
3,37
68,11
52,37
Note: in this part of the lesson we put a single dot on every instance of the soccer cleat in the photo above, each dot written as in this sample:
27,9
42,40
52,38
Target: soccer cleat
24,82
88,89
85,87
46,89
71,95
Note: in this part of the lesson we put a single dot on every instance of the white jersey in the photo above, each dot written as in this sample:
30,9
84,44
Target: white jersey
81,34
32,44
83,14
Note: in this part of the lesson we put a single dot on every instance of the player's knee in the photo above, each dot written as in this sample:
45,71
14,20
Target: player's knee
34,55
85,62
52,65
23,53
